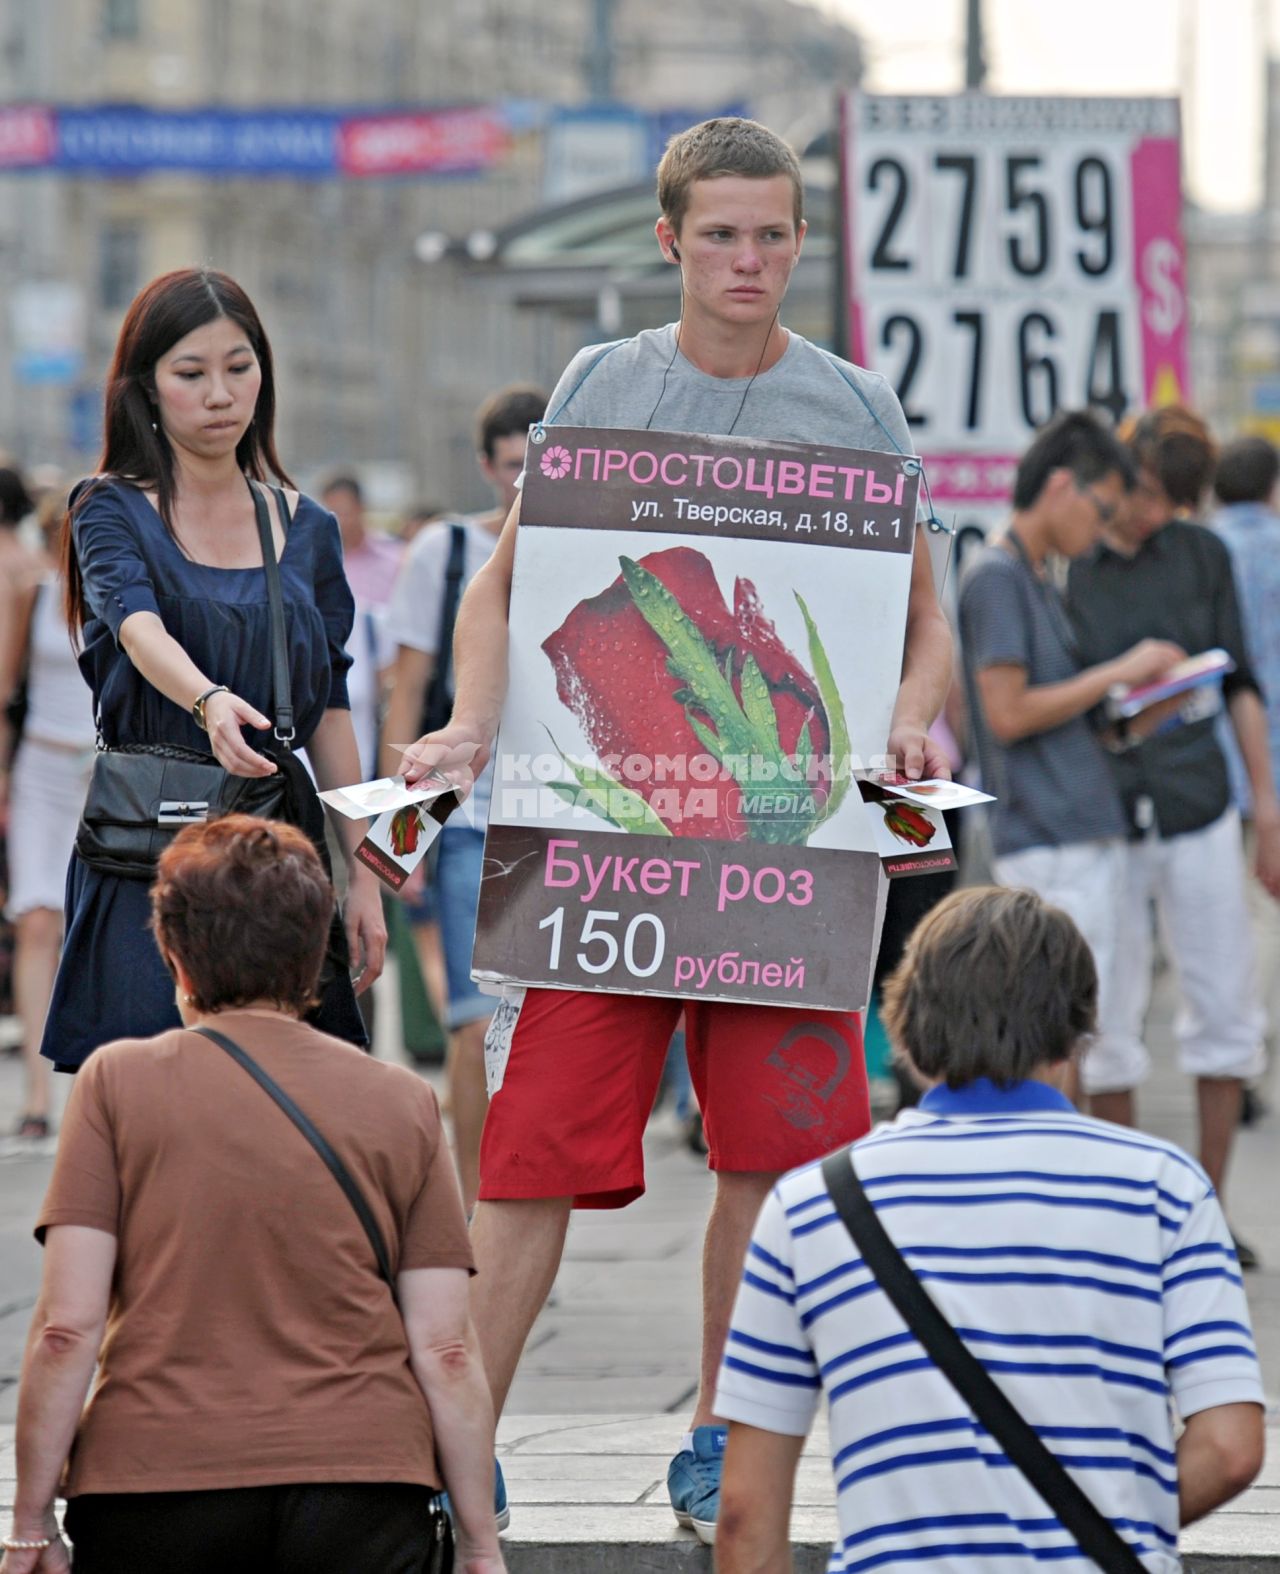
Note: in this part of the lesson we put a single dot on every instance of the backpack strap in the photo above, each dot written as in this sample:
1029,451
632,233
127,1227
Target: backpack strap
436,705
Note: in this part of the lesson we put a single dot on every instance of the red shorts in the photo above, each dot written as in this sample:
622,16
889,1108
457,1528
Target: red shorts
777,1086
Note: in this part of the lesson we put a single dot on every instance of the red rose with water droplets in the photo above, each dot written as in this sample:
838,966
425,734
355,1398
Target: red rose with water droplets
637,692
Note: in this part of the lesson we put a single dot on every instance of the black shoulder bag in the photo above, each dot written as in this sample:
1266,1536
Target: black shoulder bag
440,1557
1095,1535
141,794
439,701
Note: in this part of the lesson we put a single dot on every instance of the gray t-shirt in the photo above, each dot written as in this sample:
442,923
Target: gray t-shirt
807,396
413,618
1056,788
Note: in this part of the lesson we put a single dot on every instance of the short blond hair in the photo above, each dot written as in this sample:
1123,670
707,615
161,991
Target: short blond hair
727,146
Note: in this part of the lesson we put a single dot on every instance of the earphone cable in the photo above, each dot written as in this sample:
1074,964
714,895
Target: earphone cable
763,351
666,372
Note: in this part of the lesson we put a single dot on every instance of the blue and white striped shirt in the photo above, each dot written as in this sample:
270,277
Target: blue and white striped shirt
1088,1266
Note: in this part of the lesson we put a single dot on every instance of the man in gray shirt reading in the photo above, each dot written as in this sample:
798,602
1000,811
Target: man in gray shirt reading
581,1068
1058,825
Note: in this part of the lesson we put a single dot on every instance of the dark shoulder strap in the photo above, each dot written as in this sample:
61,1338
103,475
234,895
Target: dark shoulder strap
453,571
437,698
282,508
304,1124
1095,1535
281,688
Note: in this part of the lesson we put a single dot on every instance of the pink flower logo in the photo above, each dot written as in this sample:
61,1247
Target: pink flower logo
556,462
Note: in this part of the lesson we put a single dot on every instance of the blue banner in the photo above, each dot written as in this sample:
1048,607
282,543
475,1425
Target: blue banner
321,143
127,140
665,123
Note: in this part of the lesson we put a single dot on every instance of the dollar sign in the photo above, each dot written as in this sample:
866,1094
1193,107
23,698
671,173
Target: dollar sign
1164,308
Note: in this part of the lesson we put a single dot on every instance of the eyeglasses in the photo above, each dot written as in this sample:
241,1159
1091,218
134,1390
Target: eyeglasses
1106,511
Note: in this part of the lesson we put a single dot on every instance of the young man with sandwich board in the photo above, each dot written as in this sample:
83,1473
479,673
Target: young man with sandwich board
732,221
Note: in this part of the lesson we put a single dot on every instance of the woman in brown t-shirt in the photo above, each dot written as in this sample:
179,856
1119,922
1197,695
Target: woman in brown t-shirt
262,1402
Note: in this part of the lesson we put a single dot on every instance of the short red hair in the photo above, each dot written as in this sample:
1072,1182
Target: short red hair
245,905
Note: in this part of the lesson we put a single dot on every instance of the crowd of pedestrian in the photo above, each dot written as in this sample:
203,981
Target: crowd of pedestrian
1118,828
323,1327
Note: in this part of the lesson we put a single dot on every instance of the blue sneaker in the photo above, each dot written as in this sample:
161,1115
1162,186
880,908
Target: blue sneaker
501,1513
693,1481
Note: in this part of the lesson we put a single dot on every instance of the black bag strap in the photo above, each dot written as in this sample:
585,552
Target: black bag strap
281,688
437,700
304,1124
282,508
1095,1535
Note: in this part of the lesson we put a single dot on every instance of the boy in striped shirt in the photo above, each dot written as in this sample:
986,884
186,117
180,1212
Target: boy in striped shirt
1088,1266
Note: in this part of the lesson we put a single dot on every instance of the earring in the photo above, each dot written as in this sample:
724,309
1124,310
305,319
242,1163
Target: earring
188,1000
154,427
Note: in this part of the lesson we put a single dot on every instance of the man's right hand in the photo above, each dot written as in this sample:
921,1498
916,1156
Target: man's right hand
484,1564
1148,660
459,752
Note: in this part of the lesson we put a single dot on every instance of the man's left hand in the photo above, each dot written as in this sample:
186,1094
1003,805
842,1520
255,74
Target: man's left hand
911,752
1266,863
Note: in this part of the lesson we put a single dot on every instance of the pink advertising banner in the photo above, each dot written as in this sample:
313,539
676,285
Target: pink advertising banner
442,141
1159,268
27,136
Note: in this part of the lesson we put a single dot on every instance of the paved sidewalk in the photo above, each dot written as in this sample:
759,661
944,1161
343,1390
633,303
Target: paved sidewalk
606,1386
588,1493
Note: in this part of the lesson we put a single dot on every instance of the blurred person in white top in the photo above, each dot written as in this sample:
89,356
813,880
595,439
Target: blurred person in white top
414,623
44,774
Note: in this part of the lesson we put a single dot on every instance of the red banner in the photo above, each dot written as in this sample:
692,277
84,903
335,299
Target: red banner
431,142
26,136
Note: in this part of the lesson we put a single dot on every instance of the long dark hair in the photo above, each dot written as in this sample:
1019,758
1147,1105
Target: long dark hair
134,450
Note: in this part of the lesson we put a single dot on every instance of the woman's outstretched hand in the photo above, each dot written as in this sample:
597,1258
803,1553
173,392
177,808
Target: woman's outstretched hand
225,714
366,928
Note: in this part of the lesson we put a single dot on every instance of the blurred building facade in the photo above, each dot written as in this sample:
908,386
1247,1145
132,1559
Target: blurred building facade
1233,269
381,355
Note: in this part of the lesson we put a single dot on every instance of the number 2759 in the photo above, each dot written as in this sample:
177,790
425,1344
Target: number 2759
1038,225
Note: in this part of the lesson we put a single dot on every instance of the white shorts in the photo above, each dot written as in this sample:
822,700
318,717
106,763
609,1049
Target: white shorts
1264,910
1087,881
1198,885
46,796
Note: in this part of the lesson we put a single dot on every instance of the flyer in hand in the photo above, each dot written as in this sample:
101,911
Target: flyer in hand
706,638
406,820
910,831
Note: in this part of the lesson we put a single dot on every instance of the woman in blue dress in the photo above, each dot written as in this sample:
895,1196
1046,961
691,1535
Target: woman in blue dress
166,588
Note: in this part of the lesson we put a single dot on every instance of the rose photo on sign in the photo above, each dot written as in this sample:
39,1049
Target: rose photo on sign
658,663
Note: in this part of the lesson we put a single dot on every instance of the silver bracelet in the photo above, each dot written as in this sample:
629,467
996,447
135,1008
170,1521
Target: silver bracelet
12,1544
